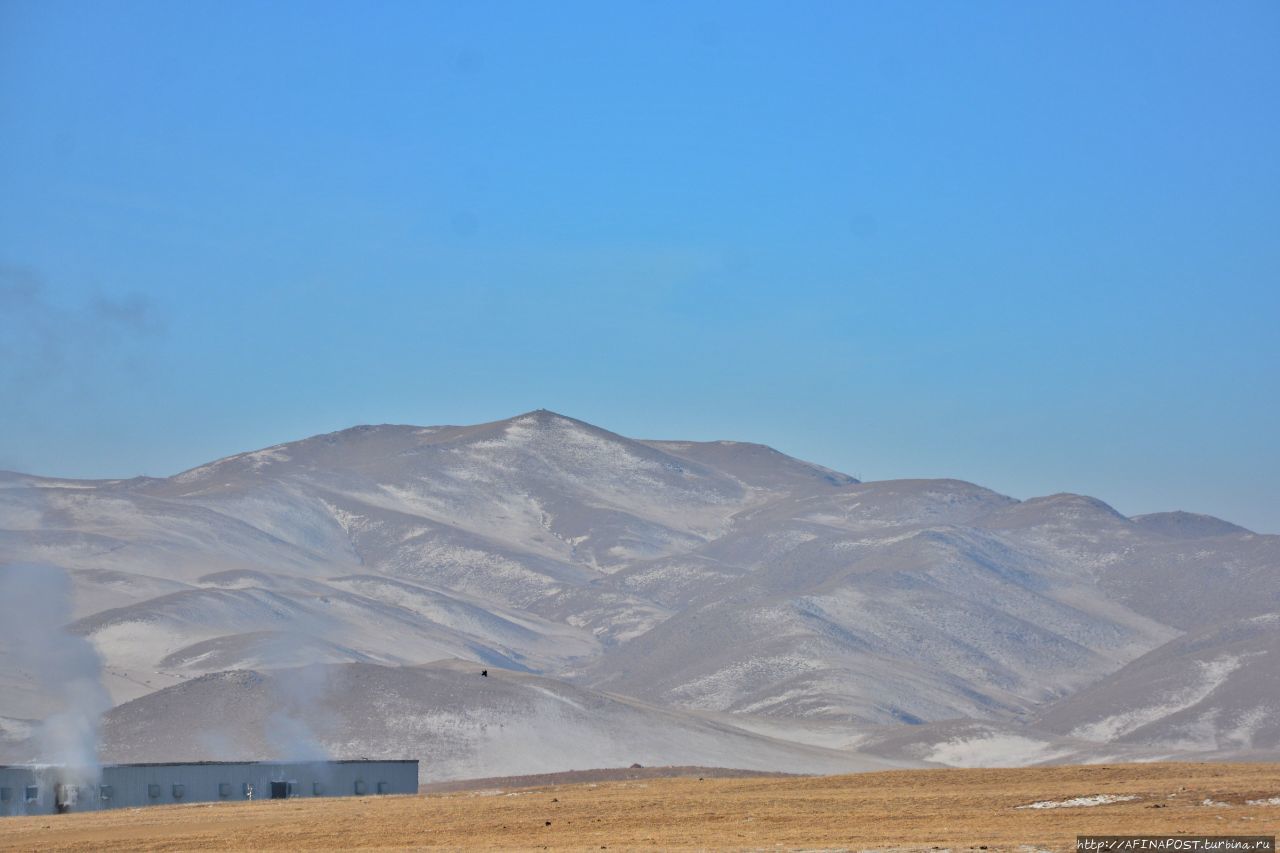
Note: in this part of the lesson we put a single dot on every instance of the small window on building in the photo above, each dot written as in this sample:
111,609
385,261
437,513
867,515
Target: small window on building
317,789
32,793
106,792
5,794
153,791
359,786
178,791
224,789
382,787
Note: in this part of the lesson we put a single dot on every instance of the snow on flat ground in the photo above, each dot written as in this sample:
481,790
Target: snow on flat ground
1080,802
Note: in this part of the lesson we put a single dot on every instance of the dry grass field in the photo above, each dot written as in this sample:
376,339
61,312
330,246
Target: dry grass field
916,809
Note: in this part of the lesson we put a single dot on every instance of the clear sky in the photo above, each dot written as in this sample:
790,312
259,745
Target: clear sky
1031,245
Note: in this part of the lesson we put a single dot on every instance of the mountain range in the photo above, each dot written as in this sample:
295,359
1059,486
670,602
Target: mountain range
652,601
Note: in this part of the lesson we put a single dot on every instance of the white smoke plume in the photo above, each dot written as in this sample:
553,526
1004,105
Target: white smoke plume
35,606
301,706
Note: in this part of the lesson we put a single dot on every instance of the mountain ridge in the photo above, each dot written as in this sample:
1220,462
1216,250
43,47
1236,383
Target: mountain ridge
713,577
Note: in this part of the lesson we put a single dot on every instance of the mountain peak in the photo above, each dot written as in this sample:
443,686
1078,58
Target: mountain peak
1186,525
543,416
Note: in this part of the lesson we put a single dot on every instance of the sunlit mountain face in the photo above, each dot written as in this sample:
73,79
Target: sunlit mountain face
634,600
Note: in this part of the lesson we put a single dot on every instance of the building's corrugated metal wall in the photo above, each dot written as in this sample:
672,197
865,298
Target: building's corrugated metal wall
132,785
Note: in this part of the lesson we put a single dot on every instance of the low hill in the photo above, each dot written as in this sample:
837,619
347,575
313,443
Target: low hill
458,723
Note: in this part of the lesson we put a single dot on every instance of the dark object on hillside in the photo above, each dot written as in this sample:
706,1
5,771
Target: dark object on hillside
637,766
484,673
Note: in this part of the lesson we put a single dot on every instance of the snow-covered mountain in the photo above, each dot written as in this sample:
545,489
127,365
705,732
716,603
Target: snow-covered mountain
704,577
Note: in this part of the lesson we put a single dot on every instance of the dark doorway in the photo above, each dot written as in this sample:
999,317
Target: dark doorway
279,790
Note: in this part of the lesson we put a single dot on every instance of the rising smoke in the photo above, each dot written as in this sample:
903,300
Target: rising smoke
301,706
35,606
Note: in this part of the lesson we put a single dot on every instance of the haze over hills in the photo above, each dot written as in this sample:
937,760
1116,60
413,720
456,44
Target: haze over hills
760,606
510,723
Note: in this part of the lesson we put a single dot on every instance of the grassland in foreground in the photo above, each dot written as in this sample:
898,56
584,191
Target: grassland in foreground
913,809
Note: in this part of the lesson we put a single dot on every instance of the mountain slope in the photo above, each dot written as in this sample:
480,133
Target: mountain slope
719,577
832,612
1214,689
461,724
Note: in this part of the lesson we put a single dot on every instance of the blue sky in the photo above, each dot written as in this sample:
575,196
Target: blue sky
1035,246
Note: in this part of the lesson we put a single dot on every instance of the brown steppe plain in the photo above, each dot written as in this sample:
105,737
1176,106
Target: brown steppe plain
898,810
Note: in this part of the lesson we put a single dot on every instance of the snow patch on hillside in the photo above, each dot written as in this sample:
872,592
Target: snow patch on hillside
995,750
1212,674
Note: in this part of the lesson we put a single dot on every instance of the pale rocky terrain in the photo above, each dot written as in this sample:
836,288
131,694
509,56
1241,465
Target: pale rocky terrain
672,602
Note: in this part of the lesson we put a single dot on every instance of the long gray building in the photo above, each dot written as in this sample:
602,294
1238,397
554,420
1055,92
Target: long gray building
50,789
